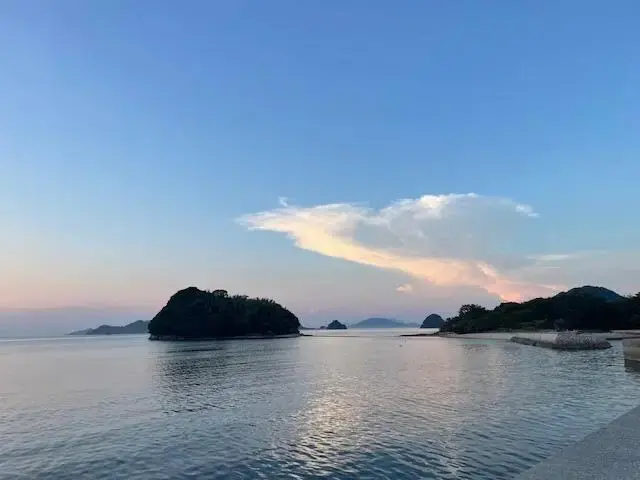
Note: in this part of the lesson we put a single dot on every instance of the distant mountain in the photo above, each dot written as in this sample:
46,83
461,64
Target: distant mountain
600,292
432,321
376,322
139,326
336,325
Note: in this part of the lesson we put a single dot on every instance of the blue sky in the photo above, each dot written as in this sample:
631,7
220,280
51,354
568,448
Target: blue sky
144,147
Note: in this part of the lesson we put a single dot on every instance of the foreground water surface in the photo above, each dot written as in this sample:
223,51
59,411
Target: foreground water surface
343,405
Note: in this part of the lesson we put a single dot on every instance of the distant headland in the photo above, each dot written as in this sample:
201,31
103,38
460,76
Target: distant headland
137,327
377,322
194,314
582,308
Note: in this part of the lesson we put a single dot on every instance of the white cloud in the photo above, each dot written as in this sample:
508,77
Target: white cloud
455,240
406,288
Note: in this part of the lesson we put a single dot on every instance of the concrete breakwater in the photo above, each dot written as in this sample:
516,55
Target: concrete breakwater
631,350
609,453
563,340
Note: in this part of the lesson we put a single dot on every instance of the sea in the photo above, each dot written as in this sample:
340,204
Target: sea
348,404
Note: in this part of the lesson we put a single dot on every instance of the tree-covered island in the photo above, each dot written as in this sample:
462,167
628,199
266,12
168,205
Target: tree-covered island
193,314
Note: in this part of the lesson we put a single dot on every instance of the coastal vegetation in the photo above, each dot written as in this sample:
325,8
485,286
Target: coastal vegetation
195,314
583,308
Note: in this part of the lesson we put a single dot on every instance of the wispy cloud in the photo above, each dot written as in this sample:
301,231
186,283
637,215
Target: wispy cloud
406,288
446,240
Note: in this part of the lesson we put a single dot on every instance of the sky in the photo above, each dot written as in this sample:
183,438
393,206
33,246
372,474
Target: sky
347,159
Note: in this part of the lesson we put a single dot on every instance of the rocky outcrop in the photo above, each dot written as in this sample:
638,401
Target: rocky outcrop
336,325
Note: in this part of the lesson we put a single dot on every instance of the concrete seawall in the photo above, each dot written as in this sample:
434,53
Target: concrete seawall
631,350
563,340
609,453
542,335
549,339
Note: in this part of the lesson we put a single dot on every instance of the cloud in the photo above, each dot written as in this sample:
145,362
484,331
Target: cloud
454,240
406,288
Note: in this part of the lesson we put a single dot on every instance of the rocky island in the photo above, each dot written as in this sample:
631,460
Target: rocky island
336,325
432,321
194,314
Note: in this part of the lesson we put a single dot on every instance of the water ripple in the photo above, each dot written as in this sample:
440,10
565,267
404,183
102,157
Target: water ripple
327,408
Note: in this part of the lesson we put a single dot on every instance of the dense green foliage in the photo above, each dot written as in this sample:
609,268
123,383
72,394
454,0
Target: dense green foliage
194,313
336,325
432,321
584,308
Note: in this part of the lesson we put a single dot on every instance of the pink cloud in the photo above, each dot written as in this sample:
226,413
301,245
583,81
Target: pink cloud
446,240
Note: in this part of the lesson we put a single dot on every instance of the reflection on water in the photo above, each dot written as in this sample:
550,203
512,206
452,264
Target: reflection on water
326,407
189,375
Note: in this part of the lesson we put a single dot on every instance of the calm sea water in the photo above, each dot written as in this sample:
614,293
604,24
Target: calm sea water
332,406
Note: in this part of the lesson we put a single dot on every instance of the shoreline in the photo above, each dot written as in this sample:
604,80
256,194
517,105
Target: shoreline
506,335
608,453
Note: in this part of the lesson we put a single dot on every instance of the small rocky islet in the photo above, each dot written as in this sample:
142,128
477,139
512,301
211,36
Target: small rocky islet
336,325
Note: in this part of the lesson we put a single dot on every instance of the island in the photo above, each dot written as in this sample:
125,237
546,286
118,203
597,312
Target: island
336,325
586,308
432,321
137,327
377,322
194,314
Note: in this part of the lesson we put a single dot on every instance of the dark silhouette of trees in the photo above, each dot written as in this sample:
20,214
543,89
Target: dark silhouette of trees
584,308
432,321
192,313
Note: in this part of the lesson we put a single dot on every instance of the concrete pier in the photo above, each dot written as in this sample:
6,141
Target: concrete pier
609,453
563,340
631,350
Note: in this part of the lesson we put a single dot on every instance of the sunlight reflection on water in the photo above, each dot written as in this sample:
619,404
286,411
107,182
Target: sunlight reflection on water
370,406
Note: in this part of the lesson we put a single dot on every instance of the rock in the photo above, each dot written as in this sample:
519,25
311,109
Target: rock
336,325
